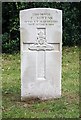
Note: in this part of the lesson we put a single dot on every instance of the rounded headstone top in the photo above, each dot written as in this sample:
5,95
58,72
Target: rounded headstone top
31,9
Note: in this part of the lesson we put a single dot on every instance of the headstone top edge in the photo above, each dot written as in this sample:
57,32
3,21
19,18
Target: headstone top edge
52,9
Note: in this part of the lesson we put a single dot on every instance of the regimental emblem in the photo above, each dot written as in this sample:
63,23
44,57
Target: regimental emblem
41,42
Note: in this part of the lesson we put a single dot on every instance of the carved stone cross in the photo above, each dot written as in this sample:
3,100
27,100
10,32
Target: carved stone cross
41,46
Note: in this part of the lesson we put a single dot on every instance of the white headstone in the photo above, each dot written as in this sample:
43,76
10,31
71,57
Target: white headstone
41,53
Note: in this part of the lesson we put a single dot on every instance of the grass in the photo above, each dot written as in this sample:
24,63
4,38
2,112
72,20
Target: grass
65,107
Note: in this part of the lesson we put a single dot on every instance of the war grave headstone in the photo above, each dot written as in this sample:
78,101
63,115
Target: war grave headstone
41,53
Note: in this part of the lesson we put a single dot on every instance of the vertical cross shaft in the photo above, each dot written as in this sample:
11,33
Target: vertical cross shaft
40,68
41,46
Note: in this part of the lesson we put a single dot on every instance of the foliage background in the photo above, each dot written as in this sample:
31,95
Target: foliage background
10,22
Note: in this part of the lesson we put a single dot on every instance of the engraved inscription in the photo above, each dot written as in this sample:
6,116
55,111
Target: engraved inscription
41,19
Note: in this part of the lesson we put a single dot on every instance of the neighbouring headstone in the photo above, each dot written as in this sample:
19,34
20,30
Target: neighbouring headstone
41,53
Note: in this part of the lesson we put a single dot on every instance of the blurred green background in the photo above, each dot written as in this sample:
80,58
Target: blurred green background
10,22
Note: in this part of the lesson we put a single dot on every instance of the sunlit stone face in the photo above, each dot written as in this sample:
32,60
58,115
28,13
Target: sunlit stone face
41,53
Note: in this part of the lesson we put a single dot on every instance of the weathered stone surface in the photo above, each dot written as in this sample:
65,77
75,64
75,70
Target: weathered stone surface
41,53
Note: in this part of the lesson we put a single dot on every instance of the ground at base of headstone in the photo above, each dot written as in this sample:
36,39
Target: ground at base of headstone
37,99
65,107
